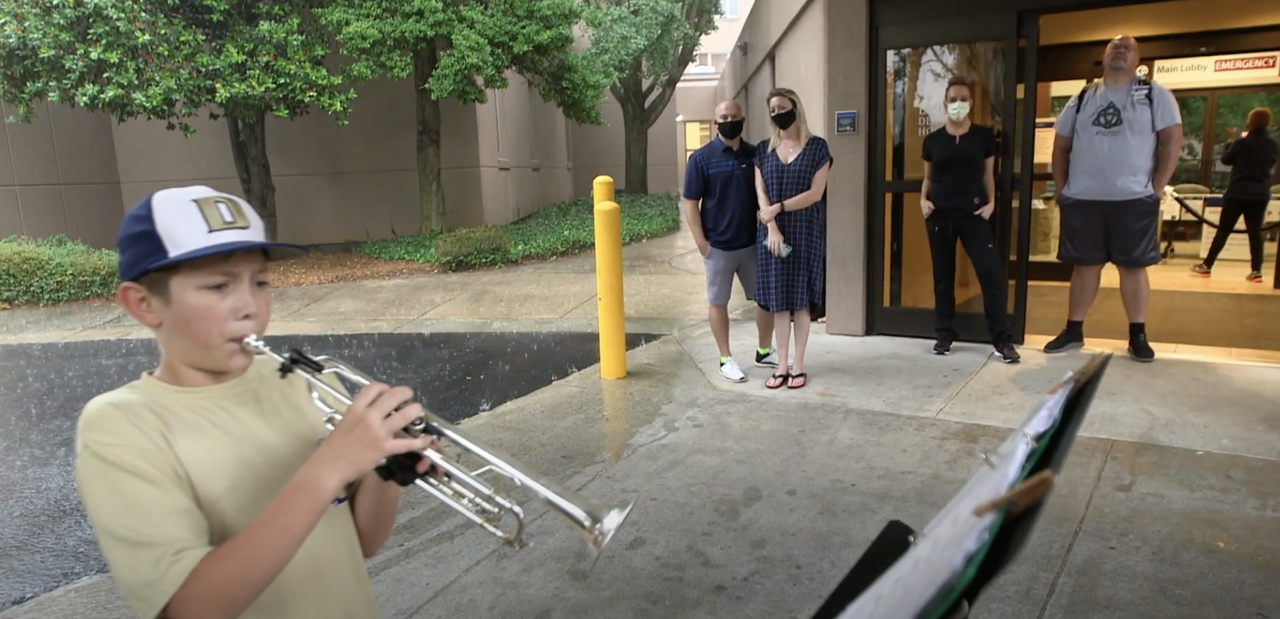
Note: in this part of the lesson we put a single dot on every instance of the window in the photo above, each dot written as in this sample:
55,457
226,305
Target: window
729,9
696,135
706,63
1206,115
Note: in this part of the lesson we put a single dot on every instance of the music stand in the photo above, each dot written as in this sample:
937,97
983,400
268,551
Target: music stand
940,572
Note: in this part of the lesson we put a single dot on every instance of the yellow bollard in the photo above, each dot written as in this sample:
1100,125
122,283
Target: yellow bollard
601,190
609,312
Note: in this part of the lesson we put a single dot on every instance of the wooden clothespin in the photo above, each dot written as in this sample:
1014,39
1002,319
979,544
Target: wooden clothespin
1082,373
1024,495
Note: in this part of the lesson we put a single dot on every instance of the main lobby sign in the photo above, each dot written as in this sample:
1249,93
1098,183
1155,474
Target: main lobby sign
1227,70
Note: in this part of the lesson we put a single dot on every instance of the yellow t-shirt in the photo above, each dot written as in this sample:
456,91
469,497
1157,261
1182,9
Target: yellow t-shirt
165,474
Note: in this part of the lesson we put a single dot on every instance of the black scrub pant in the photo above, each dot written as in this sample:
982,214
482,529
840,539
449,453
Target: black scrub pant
974,234
1253,211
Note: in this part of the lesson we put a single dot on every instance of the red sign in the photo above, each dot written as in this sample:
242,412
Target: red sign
1249,63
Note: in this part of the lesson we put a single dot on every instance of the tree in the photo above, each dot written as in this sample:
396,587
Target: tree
174,60
648,44
460,48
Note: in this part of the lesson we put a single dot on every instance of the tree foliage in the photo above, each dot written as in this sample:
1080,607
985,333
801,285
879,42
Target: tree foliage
647,45
173,60
476,44
459,49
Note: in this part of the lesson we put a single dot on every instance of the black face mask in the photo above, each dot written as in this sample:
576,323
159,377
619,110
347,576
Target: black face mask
730,129
784,120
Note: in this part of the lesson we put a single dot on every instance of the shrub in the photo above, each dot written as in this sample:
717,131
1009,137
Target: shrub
472,247
54,270
556,230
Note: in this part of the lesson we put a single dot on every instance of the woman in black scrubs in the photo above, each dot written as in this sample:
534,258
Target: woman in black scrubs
1253,162
957,199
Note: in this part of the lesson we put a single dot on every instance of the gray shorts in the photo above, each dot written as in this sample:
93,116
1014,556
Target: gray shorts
1125,233
722,266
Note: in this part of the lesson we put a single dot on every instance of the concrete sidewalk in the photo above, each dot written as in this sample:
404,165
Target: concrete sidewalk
664,290
754,503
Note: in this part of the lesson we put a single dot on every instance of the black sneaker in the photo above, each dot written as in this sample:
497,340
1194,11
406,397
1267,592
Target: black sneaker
942,346
767,359
1008,353
1140,350
1064,342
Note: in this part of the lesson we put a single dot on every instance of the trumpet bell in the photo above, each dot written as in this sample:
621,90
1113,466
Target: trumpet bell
608,524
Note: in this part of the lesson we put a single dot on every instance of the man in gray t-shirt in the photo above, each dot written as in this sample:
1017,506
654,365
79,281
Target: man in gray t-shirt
1115,150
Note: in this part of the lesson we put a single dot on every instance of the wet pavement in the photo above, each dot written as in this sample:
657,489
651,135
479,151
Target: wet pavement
752,502
755,503
45,541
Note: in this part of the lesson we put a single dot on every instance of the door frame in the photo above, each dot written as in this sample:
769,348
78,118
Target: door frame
1008,27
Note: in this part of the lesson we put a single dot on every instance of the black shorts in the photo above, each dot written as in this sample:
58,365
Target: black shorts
1125,233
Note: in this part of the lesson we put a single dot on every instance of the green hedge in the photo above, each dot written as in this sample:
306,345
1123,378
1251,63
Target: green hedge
555,230
54,270
58,269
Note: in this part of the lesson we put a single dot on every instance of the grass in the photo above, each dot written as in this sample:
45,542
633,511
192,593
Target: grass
58,269
556,230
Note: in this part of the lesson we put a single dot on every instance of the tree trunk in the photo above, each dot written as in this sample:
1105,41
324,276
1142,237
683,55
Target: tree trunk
249,150
636,138
430,188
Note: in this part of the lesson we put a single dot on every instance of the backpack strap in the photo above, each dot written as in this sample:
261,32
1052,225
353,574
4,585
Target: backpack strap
1140,82
1075,120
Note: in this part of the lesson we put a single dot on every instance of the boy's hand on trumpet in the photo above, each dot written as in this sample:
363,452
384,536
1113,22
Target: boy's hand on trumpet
371,431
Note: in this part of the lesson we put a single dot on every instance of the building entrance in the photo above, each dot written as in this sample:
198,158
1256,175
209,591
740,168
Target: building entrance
1219,67
918,62
1028,63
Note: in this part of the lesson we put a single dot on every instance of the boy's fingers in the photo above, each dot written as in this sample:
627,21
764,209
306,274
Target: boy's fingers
368,395
406,445
402,417
391,398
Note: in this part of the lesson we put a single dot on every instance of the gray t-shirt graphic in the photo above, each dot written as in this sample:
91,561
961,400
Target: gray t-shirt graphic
1113,150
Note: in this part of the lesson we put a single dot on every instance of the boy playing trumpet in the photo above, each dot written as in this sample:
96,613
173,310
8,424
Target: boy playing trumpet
202,478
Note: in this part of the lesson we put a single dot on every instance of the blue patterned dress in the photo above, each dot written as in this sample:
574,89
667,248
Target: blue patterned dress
795,282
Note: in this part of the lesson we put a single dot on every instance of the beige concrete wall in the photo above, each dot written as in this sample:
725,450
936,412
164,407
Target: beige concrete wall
58,175
359,182
848,88
790,43
76,173
696,101
727,31
600,150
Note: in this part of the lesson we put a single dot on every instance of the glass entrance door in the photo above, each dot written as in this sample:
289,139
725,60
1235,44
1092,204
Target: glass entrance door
918,60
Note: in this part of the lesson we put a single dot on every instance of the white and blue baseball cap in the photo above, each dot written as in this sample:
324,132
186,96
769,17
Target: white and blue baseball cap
174,225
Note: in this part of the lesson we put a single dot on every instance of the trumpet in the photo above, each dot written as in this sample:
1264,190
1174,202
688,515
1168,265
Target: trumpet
458,488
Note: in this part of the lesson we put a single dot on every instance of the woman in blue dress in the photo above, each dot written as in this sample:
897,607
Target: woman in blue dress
791,187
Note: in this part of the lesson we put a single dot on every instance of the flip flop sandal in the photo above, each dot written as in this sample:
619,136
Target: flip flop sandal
803,381
781,378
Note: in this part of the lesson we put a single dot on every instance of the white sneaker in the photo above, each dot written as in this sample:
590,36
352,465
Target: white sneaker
731,372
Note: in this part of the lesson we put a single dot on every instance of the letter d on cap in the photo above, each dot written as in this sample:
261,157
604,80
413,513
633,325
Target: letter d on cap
222,214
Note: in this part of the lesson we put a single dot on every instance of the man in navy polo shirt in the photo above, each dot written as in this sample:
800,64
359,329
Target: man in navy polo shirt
719,202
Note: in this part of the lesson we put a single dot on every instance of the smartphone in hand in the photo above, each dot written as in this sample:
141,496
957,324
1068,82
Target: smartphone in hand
786,249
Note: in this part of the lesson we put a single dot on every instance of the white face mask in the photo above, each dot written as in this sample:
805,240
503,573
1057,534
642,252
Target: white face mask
958,110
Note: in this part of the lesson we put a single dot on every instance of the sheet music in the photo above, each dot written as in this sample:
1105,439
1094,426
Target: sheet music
944,547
